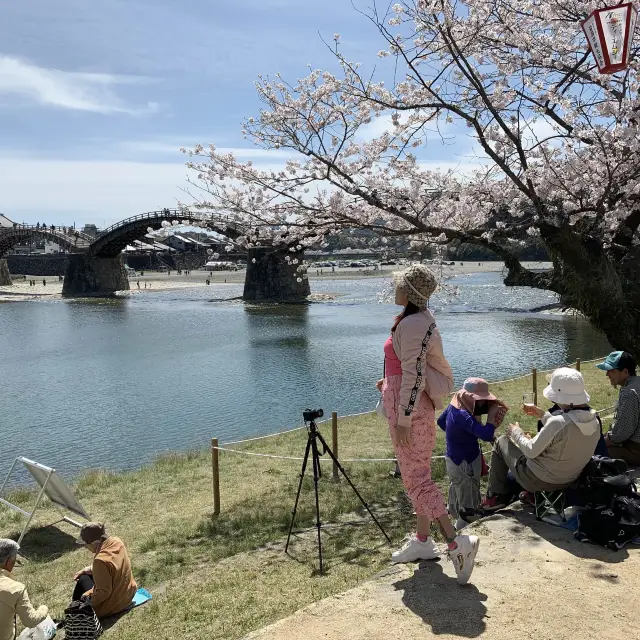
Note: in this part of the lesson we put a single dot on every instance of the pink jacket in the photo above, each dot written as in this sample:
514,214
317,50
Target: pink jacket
418,346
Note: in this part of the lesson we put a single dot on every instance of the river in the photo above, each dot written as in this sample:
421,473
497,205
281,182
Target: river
112,383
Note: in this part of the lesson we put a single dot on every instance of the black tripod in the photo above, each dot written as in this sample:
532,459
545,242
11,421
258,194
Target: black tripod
312,445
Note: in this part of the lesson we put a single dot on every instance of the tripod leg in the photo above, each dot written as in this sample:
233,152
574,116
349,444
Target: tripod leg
316,477
295,506
346,477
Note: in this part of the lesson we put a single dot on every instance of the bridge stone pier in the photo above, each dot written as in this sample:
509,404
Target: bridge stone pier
5,276
272,279
93,276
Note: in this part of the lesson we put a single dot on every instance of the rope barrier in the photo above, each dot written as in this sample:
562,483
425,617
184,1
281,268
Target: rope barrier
270,435
268,455
256,455
280,433
364,413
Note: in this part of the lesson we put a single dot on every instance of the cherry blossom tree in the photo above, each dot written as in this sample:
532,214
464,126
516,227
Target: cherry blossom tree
557,151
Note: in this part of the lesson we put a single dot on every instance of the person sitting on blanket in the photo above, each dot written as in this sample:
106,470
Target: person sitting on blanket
108,583
556,456
462,423
14,600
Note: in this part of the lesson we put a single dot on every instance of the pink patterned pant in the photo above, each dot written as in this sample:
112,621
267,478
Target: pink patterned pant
415,459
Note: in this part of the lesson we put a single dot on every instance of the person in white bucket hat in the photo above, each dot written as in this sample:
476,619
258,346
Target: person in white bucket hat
556,456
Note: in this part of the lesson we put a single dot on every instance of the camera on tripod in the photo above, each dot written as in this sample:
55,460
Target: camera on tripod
313,450
310,415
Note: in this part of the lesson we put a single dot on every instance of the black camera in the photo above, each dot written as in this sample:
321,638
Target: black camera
310,415
481,408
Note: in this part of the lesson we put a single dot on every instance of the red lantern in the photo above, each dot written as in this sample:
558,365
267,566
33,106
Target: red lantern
609,32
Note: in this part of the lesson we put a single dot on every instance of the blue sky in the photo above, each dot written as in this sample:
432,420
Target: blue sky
97,98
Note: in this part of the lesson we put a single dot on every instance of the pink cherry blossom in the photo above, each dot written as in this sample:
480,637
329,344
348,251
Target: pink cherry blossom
556,144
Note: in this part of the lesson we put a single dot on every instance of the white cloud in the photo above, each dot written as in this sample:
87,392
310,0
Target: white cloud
86,191
67,89
172,146
99,191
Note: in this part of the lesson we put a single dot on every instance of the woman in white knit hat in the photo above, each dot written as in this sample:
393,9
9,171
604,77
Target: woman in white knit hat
417,378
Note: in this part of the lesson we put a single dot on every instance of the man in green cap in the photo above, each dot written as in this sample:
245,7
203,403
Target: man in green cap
623,440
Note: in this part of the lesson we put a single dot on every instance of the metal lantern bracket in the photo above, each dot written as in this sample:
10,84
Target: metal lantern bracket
52,485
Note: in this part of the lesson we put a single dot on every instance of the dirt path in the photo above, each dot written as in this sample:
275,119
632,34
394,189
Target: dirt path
531,580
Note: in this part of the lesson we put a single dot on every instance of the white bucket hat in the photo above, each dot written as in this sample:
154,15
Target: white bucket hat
566,387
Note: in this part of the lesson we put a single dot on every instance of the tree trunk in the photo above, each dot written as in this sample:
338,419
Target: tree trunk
590,279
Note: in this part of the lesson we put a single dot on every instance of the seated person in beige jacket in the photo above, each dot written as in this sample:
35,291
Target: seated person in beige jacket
557,455
14,600
108,583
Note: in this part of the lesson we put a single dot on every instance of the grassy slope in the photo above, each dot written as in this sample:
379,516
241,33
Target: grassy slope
222,578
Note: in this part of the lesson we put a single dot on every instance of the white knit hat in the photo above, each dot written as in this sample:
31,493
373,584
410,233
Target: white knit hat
566,387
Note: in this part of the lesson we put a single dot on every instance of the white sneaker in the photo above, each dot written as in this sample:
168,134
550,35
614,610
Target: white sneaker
464,556
413,550
460,524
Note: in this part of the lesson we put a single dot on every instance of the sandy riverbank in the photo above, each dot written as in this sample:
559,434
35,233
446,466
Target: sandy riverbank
158,281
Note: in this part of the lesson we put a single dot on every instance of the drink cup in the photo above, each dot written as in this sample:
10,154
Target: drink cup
528,399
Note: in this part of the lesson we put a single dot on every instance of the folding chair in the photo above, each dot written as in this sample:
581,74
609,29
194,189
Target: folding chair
550,502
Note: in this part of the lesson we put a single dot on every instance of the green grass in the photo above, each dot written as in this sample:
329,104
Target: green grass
223,577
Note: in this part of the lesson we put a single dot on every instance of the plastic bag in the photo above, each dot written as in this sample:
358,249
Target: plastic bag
44,631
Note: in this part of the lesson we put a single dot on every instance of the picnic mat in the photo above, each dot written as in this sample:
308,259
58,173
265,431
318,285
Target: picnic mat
142,596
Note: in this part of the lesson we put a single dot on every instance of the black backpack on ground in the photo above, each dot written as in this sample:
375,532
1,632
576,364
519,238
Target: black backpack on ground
80,622
612,514
612,526
602,480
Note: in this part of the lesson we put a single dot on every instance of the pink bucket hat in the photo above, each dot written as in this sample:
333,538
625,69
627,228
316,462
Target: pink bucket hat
473,389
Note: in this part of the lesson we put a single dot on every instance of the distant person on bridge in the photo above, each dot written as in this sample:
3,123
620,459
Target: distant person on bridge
417,378
108,583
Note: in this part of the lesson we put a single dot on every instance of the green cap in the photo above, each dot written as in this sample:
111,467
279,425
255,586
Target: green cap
617,360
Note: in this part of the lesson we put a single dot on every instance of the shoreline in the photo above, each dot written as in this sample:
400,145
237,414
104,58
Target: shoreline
20,291
257,439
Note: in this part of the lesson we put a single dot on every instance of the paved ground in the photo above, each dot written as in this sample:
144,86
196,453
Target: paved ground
531,580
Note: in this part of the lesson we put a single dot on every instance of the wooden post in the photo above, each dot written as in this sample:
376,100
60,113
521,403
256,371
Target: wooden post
334,442
215,467
534,380
578,364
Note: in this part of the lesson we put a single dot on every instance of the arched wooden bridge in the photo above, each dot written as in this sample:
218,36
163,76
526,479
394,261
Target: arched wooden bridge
96,266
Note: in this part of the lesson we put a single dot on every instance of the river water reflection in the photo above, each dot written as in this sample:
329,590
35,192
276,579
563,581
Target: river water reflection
113,383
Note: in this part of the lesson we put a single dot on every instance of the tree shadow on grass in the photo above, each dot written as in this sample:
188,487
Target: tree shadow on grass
46,543
564,539
442,603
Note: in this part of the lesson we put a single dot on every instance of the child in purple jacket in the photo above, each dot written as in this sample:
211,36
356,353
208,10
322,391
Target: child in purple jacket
461,421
